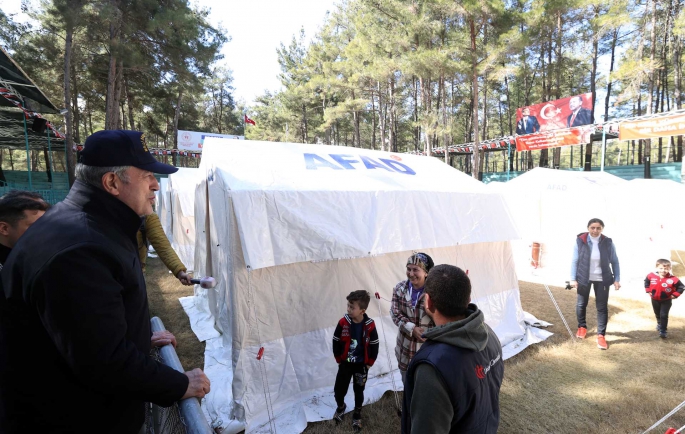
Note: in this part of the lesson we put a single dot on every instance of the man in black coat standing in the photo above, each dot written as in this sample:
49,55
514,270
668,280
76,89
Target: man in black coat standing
75,326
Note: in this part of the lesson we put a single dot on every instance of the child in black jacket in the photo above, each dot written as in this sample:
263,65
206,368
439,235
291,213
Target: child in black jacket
355,347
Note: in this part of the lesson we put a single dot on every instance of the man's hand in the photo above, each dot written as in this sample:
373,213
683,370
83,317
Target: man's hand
184,278
159,339
198,384
617,286
417,332
574,284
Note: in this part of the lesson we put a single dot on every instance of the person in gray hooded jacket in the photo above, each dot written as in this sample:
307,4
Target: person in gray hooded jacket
453,381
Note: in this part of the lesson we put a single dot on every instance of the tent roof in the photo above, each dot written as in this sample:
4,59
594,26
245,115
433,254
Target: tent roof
298,202
12,132
34,98
542,178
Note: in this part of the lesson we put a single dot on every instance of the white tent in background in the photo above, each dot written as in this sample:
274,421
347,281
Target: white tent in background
163,206
290,229
552,207
181,189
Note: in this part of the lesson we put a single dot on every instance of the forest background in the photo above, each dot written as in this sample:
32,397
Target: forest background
393,75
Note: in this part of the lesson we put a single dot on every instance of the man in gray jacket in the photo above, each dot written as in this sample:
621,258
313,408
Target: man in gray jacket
453,381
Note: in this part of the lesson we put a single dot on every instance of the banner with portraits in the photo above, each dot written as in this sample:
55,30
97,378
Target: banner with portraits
573,111
554,123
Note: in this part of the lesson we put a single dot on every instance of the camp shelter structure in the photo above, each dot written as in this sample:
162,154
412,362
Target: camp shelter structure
551,207
23,127
289,230
181,189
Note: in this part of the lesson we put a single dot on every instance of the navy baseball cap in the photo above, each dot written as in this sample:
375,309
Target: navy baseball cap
109,148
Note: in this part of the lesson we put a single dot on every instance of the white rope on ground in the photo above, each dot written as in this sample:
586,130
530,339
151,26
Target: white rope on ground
559,310
680,429
675,410
260,357
387,350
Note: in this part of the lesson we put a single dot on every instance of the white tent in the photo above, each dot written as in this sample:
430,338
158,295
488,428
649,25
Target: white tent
290,229
552,207
181,189
163,206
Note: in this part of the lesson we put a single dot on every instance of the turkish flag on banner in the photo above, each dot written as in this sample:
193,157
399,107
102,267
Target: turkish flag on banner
553,139
249,121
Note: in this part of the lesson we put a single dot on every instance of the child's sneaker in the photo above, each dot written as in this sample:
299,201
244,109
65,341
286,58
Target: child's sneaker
663,335
582,331
339,413
357,420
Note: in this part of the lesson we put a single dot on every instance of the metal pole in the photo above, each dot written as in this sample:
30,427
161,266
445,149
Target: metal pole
508,158
604,144
52,175
190,407
28,154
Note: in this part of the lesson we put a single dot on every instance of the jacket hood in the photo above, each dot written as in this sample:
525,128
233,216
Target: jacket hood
470,332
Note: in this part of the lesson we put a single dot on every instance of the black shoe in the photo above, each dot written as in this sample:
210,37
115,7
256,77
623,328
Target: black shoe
357,419
339,414
663,335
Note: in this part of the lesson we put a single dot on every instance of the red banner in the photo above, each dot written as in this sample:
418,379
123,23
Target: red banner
553,139
573,111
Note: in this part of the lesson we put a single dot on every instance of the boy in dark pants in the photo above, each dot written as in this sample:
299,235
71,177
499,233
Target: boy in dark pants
663,287
355,347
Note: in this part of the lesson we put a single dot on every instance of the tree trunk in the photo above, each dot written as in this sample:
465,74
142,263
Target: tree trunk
129,103
373,121
76,118
474,78
381,117
611,69
69,157
111,105
652,50
177,114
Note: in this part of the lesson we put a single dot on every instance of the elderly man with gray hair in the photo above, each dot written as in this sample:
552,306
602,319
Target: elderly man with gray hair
76,328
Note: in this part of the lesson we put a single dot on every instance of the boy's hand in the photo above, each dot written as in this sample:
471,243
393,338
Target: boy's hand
617,286
574,284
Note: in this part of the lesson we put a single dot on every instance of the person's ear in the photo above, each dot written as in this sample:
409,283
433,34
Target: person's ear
111,183
4,228
429,303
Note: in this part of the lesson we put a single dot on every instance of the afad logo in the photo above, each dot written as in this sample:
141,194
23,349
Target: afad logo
481,371
348,162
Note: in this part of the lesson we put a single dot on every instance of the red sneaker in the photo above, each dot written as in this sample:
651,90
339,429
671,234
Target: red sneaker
602,343
582,331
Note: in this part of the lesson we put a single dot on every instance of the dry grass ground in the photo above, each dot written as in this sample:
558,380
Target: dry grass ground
163,291
559,386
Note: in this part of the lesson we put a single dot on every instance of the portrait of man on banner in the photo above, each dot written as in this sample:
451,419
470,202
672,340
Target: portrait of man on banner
579,114
528,124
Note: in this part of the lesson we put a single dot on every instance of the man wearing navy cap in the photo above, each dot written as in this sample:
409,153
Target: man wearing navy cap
76,328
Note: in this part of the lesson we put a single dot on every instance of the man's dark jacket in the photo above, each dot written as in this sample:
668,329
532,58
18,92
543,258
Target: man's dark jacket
453,381
583,117
75,324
